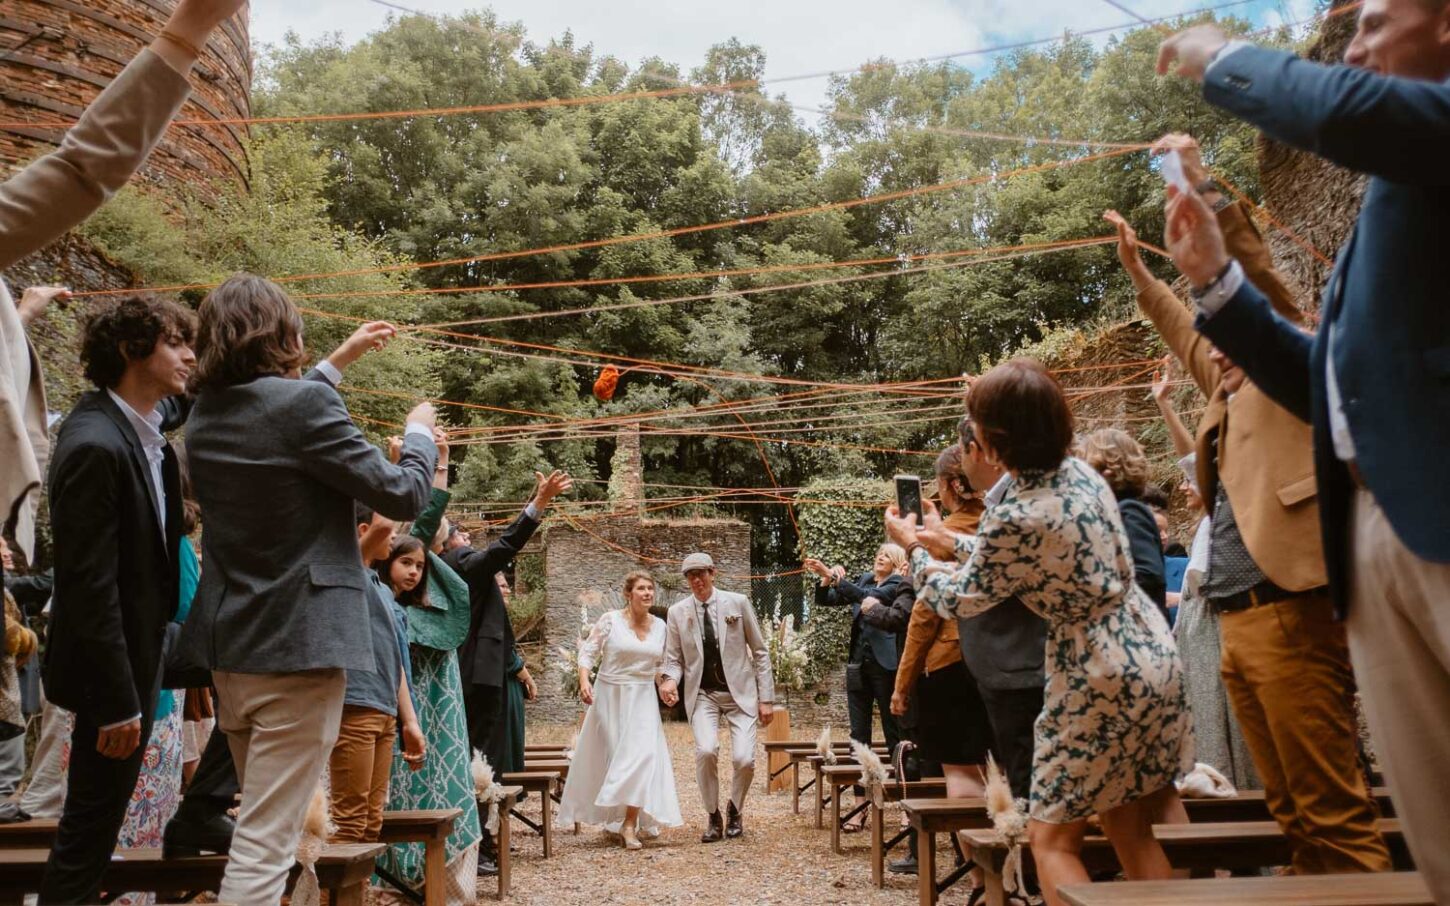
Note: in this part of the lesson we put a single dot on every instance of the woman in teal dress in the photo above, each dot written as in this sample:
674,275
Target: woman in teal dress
1114,732
437,623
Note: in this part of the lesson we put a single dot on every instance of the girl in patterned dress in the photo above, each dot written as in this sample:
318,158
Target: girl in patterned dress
1114,733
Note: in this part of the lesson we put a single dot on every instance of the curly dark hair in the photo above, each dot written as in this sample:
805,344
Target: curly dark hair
127,330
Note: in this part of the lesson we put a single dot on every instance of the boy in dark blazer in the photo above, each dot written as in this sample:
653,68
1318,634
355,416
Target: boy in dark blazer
115,509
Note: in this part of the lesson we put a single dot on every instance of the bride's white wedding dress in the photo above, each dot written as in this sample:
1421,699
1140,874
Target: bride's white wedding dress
621,757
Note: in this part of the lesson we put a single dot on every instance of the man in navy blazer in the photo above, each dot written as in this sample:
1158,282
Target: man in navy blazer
1375,380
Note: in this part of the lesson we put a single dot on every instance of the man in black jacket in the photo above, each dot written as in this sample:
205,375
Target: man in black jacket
115,509
486,651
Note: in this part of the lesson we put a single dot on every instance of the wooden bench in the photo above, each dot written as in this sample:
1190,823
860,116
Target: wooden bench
547,785
429,827
949,815
896,792
1199,848
836,777
1382,889
787,755
343,871
823,798
504,838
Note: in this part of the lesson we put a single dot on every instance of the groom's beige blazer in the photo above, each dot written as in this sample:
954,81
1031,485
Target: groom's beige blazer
744,652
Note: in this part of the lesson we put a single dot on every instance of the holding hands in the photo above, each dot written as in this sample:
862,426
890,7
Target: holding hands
670,693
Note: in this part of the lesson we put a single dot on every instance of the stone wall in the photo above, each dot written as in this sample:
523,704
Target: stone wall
62,53
579,563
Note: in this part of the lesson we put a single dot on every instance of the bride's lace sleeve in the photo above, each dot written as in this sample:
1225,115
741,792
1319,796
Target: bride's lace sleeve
591,650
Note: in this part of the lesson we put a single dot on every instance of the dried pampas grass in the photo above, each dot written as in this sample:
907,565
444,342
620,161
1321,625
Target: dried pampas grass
1009,820
873,772
824,747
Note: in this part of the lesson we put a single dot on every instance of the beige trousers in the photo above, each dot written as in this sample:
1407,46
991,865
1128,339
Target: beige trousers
1399,639
280,728
705,723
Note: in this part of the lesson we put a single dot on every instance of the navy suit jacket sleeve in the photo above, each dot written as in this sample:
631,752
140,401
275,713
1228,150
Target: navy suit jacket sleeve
1393,128
1273,352
479,566
1147,549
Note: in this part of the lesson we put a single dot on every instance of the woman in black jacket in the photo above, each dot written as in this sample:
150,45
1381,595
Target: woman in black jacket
1121,461
871,661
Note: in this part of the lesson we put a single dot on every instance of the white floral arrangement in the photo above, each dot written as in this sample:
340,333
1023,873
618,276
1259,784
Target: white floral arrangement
317,828
824,747
486,791
790,656
873,773
1009,820
592,606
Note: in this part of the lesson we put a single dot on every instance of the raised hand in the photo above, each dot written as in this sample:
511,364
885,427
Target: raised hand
1162,379
1189,155
196,19
36,299
819,568
557,482
424,414
440,439
1192,49
1128,253
1194,238
373,335
395,449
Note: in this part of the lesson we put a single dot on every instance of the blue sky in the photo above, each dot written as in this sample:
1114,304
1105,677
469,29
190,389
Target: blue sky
798,36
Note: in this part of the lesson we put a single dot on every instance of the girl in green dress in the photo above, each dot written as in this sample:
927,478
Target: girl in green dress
437,602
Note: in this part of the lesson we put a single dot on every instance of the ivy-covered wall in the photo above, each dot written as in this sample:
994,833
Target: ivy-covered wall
845,536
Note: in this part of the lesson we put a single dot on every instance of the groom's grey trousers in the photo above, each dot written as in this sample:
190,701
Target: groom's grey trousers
709,708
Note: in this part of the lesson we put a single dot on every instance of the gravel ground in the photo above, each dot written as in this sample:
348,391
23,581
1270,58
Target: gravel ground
781,859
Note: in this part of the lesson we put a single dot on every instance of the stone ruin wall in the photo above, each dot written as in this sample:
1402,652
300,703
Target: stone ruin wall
59,54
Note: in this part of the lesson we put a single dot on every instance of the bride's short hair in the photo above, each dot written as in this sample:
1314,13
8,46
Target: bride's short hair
634,578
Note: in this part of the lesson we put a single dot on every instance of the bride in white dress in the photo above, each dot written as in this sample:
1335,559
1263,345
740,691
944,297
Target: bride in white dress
621,776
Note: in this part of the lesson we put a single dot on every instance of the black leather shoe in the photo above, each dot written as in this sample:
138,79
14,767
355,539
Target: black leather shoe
715,831
733,827
487,868
191,833
905,866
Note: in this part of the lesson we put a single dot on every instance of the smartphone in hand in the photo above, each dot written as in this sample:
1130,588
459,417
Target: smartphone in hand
908,496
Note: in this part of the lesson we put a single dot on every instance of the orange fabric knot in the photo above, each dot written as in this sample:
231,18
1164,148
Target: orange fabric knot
604,387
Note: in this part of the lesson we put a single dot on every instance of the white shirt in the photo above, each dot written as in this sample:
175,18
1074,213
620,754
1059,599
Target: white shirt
995,494
153,444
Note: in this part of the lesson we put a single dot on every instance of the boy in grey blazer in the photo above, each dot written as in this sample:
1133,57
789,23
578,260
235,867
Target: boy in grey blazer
281,612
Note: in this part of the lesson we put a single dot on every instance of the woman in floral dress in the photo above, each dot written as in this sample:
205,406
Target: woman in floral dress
1114,733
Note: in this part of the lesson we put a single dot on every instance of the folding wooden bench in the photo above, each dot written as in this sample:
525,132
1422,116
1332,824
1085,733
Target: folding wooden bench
1199,848
1404,888
431,827
547,784
504,837
823,797
933,788
343,871
933,816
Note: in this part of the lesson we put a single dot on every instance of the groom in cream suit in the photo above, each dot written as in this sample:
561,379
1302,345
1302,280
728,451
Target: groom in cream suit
716,646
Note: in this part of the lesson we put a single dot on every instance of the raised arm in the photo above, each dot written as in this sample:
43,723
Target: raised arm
1391,127
989,574
1182,439
335,452
111,140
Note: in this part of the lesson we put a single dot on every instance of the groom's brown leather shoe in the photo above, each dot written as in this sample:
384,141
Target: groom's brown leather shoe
715,832
733,827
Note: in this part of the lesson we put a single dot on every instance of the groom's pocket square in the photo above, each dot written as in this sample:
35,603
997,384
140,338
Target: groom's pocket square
732,619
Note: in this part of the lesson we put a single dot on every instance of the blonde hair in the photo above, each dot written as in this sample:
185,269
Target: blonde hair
1119,459
440,536
634,578
895,553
